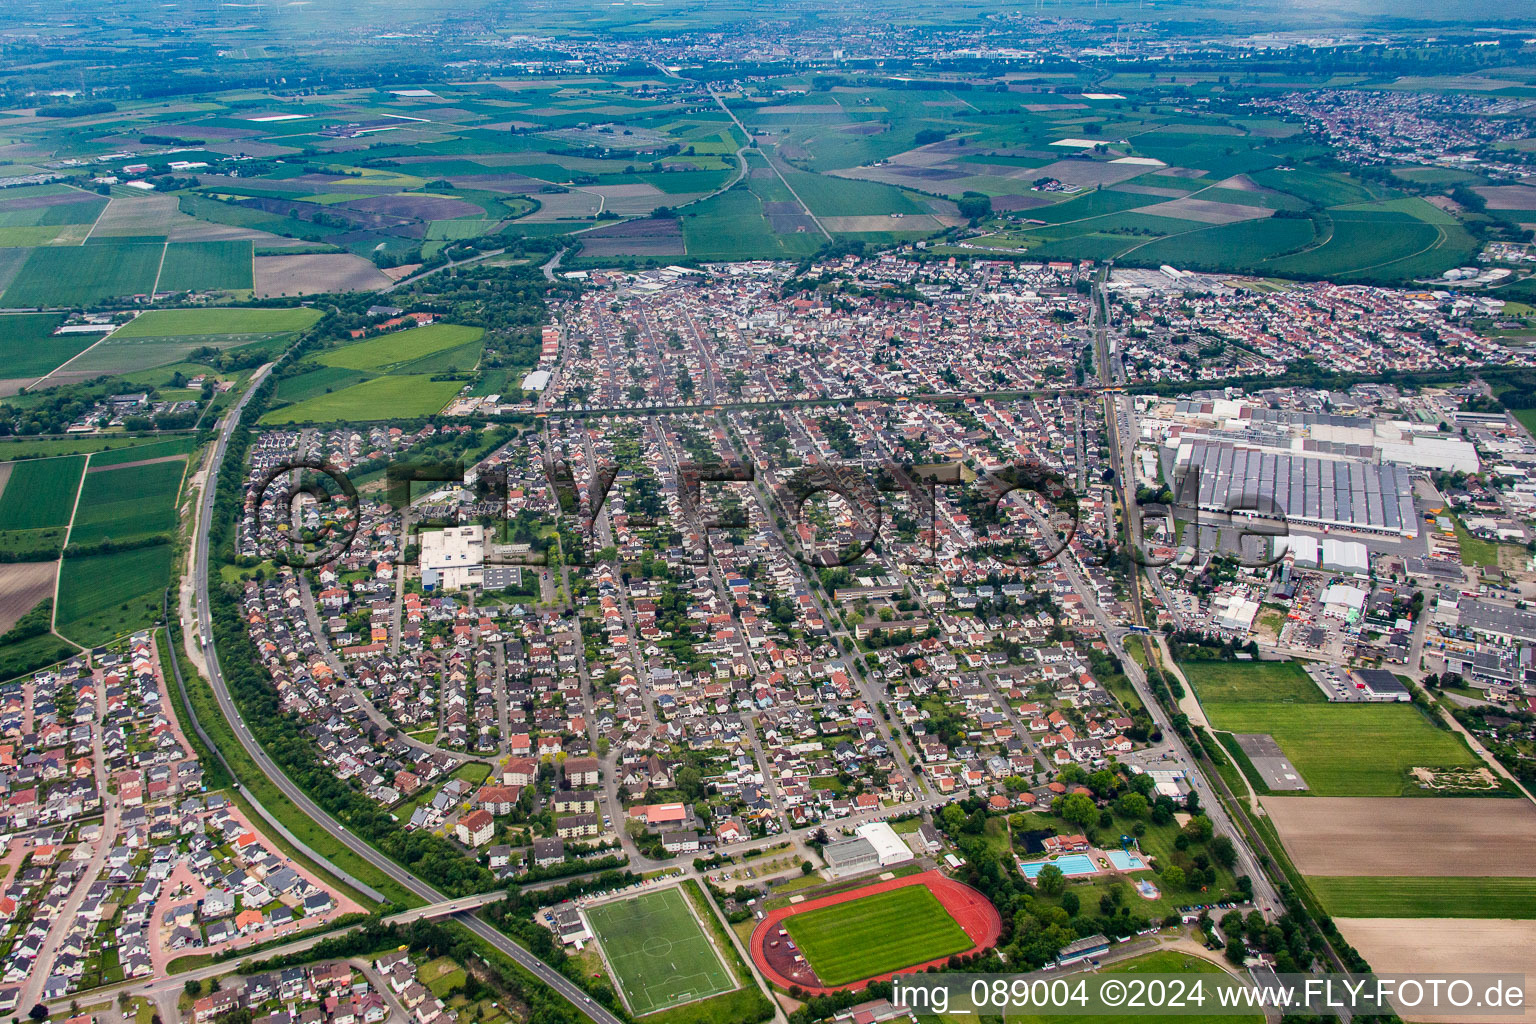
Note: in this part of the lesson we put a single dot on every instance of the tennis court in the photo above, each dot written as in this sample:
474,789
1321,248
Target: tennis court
657,951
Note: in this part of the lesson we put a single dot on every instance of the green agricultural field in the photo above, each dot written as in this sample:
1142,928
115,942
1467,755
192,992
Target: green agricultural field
129,504
387,351
29,348
106,596
150,448
40,493
12,448
1273,682
732,226
1349,749
316,382
205,266
879,933
659,955
1351,896
77,275
170,323
379,399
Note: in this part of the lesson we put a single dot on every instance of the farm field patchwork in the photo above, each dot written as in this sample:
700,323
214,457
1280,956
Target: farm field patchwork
878,933
659,955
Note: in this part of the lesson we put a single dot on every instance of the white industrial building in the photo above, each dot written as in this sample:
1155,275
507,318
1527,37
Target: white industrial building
1331,554
538,380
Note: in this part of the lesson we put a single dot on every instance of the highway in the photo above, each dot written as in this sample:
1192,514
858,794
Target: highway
204,631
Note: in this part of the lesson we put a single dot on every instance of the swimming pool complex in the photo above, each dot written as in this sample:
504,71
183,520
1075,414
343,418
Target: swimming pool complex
1074,864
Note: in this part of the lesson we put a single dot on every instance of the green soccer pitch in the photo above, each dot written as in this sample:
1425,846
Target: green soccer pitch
658,953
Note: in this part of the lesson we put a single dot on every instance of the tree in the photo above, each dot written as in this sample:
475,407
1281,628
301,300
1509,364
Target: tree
1223,851
1173,877
806,867
193,987
1132,805
39,1012
1051,881
1078,808
953,817
1199,828
1070,903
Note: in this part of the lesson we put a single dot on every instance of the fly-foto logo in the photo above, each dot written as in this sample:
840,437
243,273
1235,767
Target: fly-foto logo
1044,511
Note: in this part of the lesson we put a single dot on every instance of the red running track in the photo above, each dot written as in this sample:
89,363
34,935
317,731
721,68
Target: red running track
969,908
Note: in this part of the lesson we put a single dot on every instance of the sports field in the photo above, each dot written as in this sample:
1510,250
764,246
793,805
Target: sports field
658,953
379,399
399,347
40,493
1364,896
879,933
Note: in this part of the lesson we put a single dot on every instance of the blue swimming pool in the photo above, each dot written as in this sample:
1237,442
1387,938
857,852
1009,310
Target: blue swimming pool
1071,864
1126,861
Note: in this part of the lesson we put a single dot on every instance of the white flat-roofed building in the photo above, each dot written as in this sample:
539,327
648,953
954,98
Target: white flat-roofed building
455,555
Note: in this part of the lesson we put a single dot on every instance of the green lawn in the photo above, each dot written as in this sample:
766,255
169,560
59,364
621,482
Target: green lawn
128,504
879,933
394,349
1271,682
659,955
168,323
106,596
1357,896
1348,749
204,266
40,493
378,399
